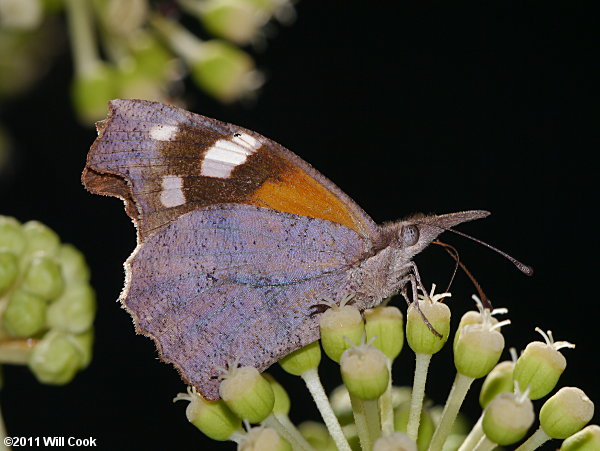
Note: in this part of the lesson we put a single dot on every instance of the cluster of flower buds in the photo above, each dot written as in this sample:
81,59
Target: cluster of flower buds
146,49
47,305
368,412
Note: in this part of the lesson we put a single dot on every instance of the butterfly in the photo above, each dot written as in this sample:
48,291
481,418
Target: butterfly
238,239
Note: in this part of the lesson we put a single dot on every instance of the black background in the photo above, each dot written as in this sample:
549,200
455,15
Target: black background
420,106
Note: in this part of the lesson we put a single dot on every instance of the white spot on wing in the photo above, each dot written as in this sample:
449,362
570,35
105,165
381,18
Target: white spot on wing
163,132
225,155
172,191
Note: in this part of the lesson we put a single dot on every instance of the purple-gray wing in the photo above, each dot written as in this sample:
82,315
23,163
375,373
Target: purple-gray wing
236,282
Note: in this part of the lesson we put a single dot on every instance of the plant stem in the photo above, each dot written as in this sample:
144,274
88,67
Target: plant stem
184,43
81,30
418,392
288,431
385,405
459,390
538,438
313,383
473,437
16,352
484,444
366,418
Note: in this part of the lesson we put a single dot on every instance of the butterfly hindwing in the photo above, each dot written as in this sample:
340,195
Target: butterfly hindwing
165,162
212,288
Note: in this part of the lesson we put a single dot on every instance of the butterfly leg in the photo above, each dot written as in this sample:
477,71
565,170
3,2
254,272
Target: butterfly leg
414,279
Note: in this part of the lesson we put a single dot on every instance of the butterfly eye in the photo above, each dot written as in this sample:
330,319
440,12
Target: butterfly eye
409,235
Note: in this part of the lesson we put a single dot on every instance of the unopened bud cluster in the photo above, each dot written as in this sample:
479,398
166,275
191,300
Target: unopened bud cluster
365,345
48,305
145,52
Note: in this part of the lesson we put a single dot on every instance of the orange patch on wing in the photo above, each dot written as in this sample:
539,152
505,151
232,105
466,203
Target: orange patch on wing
298,193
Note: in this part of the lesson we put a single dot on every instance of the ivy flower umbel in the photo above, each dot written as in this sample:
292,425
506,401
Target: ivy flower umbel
47,303
355,417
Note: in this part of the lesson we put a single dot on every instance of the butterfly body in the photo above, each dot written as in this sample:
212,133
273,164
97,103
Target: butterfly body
239,240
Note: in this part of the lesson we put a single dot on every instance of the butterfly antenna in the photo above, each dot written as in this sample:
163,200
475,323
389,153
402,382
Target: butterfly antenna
454,254
525,269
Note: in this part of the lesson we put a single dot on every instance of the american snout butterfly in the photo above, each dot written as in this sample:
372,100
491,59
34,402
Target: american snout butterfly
239,239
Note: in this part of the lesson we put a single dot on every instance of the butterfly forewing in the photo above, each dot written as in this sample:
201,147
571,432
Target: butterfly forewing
164,162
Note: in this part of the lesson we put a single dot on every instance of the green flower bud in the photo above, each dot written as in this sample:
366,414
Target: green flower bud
55,359
247,394
151,58
420,338
470,317
40,238
302,360
282,400
476,317
9,269
364,371
12,238
225,72
73,265
478,347
25,314
566,412
339,326
212,418
588,439
395,442
43,278
500,380
91,91
262,438
20,15
454,441
74,311
84,343
123,18
426,425
385,326
507,418
237,21
539,367
317,435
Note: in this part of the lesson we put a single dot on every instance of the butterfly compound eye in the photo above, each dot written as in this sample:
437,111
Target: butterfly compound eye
409,235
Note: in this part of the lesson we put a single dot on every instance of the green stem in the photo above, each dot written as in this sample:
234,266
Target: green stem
455,399
83,41
16,352
386,407
538,438
184,43
473,437
485,444
366,418
313,383
290,434
418,393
